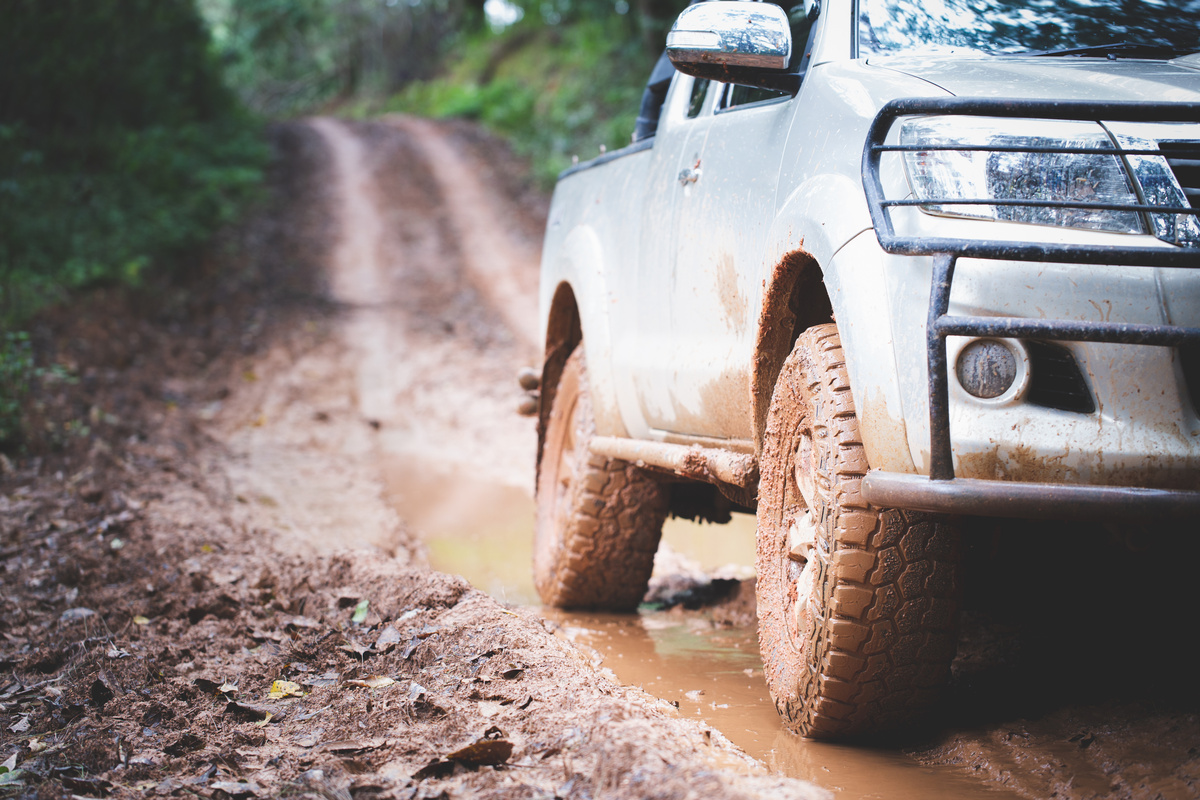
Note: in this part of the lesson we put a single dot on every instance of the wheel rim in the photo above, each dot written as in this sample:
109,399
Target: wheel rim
800,565
564,468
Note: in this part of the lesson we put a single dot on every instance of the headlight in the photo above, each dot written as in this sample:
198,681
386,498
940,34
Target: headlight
1000,174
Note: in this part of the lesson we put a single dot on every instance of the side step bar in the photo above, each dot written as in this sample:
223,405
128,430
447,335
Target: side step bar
1031,500
689,461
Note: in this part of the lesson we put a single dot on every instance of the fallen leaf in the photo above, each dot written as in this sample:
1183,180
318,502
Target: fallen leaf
100,693
265,720
21,725
311,714
484,752
373,682
281,689
323,680
415,691
355,649
252,712
75,614
187,743
10,763
116,652
12,777
360,612
354,745
227,688
515,672
36,746
412,646
389,637
140,620
301,622
236,788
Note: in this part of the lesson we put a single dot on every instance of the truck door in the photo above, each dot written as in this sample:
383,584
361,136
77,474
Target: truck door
640,312
701,306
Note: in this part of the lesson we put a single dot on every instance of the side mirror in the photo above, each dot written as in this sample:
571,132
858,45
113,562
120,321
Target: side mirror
734,41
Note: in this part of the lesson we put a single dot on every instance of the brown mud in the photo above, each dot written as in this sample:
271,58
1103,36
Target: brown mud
254,472
210,594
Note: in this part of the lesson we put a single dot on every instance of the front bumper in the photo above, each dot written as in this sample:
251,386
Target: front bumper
941,490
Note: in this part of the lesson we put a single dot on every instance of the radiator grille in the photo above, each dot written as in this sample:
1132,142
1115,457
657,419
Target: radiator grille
1184,158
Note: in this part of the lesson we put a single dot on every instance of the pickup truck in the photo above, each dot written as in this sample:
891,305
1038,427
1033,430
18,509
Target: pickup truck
870,268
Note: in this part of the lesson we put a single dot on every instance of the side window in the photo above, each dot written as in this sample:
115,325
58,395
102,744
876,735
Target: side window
652,99
802,30
699,92
744,95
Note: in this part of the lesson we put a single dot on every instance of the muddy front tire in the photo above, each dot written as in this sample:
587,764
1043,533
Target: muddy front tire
857,605
598,519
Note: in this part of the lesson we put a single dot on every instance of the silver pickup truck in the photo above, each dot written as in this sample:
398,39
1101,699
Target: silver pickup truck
869,267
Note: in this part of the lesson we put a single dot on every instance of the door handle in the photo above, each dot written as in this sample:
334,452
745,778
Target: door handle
690,174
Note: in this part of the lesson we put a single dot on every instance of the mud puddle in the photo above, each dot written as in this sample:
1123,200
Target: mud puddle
715,674
472,526
483,530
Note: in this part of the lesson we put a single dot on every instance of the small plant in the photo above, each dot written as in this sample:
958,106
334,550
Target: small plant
17,373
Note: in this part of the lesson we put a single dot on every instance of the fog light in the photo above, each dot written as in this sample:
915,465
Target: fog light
986,368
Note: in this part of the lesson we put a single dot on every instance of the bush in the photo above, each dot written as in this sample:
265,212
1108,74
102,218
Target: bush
146,197
120,147
16,378
553,91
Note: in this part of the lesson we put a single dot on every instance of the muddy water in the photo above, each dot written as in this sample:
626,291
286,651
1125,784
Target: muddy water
483,531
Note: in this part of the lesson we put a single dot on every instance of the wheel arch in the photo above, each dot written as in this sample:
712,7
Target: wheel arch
794,299
564,332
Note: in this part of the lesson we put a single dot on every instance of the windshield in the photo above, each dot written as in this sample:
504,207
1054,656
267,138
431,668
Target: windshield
888,27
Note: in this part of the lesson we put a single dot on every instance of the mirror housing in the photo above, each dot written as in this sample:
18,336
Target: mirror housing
734,41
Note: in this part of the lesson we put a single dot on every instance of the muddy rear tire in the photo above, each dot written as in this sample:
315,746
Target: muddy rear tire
857,605
598,519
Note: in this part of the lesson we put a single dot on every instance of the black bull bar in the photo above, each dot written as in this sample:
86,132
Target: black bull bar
941,491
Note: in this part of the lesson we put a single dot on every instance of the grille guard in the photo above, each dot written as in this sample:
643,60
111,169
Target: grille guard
941,491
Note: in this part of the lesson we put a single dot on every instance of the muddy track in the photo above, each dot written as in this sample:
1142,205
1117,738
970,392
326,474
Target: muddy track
258,514
227,604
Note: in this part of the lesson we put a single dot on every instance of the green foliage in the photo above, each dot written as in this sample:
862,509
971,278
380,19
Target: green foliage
553,91
120,147
290,56
16,378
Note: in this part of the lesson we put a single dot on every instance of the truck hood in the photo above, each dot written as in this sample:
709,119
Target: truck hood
1055,78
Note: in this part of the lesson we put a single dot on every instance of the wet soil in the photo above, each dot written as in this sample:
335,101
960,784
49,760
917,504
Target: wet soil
208,592
263,467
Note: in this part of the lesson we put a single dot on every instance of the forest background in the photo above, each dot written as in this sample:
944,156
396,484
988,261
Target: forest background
132,131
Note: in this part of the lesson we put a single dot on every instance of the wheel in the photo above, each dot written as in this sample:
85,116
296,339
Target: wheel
598,519
857,606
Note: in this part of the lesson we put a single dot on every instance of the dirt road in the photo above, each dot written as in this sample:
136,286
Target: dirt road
224,588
